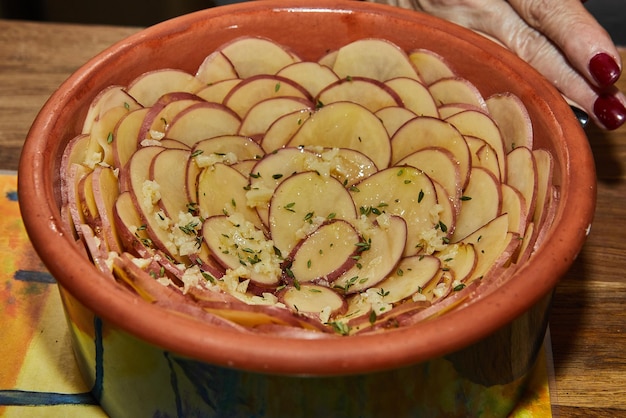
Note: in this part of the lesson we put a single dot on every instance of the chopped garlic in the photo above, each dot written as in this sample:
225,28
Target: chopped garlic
151,193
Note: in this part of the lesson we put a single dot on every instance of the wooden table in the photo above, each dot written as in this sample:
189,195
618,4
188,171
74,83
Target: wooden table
588,321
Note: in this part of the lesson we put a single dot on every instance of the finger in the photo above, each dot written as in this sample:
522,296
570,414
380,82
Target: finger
587,46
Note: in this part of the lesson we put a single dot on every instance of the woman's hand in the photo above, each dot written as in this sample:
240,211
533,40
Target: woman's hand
557,37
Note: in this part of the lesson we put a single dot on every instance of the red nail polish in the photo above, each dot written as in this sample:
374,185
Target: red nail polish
609,111
604,69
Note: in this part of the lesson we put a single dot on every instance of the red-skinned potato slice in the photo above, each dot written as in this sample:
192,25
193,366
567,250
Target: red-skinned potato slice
255,89
87,203
522,175
146,196
482,203
346,125
130,227
484,156
310,75
407,192
430,65
447,110
369,93
110,97
459,259
238,245
75,174
427,132
481,125
163,111
283,129
261,116
324,254
439,164
73,154
414,96
105,190
169,171
125,136
456,90
513,120
514,204
409,277
101,137
321,302
373,58
394,117
545,163
489,243
215,68
148,87
251,56
379,253
302,201
201,121
216,92
222,190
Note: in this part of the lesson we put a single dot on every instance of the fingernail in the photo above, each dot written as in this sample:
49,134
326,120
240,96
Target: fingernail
604,69
581,115
609,111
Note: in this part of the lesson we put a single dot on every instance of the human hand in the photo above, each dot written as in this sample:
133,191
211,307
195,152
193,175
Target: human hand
560,38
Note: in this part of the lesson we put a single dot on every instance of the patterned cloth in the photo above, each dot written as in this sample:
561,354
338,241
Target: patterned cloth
38,374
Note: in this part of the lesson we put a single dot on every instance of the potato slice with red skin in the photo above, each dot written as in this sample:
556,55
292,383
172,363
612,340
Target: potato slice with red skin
379,253
513,203
414,96
430,66
201,121
371,94
261,116
481,125
125,135
280,132
314,300
439,164
101,136
404,191
71,185
112,96
310,75
138,172
374,58
512,118
490,241
456,90
105,189
217,92
411,275
163,111
393,117
237,245
427,132
215,68
149,86
482,203
303,200
130,227
447,110
87,203
545,165
253,55
459,259
324,254
483,155
522,175
169,171
346,125
252,90
222,190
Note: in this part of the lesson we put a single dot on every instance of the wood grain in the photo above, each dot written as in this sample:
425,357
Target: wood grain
588,320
